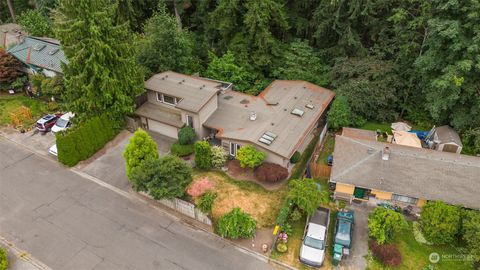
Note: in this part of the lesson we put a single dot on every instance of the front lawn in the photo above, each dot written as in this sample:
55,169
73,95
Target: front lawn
261,204
415,255
11,103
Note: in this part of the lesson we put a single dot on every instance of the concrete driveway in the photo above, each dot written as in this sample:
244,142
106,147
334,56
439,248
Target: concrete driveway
33,139
109,165
356,259
68,221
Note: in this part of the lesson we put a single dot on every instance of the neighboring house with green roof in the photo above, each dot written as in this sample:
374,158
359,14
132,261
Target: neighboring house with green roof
40,55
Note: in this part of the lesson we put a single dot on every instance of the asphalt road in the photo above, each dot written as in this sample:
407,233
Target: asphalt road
69,222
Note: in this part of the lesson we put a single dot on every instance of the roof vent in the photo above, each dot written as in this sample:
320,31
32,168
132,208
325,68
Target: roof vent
298,112
39,47
370,150
310,106
253,116
386,153
244,101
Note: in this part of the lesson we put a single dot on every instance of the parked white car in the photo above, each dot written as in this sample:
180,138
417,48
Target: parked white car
53,150
312,252
63,122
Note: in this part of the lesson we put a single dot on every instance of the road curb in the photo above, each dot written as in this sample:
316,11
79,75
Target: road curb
23,256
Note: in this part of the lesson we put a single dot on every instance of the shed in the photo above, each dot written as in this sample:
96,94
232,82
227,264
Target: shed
446,139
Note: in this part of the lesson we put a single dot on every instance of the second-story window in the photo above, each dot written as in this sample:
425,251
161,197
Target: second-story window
167,99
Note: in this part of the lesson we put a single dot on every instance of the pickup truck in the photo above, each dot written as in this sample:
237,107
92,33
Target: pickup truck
312,252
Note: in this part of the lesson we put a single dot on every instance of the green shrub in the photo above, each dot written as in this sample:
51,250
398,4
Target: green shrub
167,177
249,156
237,224
84,139
205,202
440,222
186,135
141,147
296,157
384,223
284,213
295,215
299,168
471,234
282,247
218,157
287,228
180,150
3,259
203,155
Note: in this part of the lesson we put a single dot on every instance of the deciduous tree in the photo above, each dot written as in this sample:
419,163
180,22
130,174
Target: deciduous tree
305,194
440,222
249,156
384,223
9,67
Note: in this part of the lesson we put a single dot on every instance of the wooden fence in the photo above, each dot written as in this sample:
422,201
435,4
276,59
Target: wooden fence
185,208
320,170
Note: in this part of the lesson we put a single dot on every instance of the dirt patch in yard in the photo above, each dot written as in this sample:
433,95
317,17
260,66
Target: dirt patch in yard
261,204
246,174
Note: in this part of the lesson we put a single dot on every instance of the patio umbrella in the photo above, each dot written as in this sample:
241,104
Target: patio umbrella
401,126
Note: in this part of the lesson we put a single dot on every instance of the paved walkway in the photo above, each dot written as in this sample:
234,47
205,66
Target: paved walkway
72,222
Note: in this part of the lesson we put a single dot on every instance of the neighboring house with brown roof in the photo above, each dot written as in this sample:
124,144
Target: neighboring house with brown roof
10,35
365,169
40,55
278,122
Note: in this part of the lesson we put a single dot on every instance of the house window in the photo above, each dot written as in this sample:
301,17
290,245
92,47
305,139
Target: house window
167,99
233,149
190,121
404,199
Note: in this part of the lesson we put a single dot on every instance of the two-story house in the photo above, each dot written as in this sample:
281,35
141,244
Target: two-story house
278,122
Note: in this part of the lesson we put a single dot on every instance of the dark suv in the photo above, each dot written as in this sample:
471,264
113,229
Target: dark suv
47,122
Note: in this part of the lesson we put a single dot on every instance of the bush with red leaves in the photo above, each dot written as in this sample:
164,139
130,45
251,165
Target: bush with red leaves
270,172
388,254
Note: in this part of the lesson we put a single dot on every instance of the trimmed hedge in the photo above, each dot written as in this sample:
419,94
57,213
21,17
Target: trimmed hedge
180,150
203,155
85,139
186,135
270,172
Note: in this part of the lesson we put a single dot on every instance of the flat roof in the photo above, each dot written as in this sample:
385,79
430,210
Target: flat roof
194,92
409,171
273,114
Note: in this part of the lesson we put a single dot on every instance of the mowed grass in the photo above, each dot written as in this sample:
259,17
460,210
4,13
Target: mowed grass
416,255
10,103
261,204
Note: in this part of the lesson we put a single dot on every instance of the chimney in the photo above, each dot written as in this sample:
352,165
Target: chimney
386,153
253,116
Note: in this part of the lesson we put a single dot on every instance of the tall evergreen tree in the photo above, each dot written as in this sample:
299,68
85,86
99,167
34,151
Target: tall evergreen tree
101,75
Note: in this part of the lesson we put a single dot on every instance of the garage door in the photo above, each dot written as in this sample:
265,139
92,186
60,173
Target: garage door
162,129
